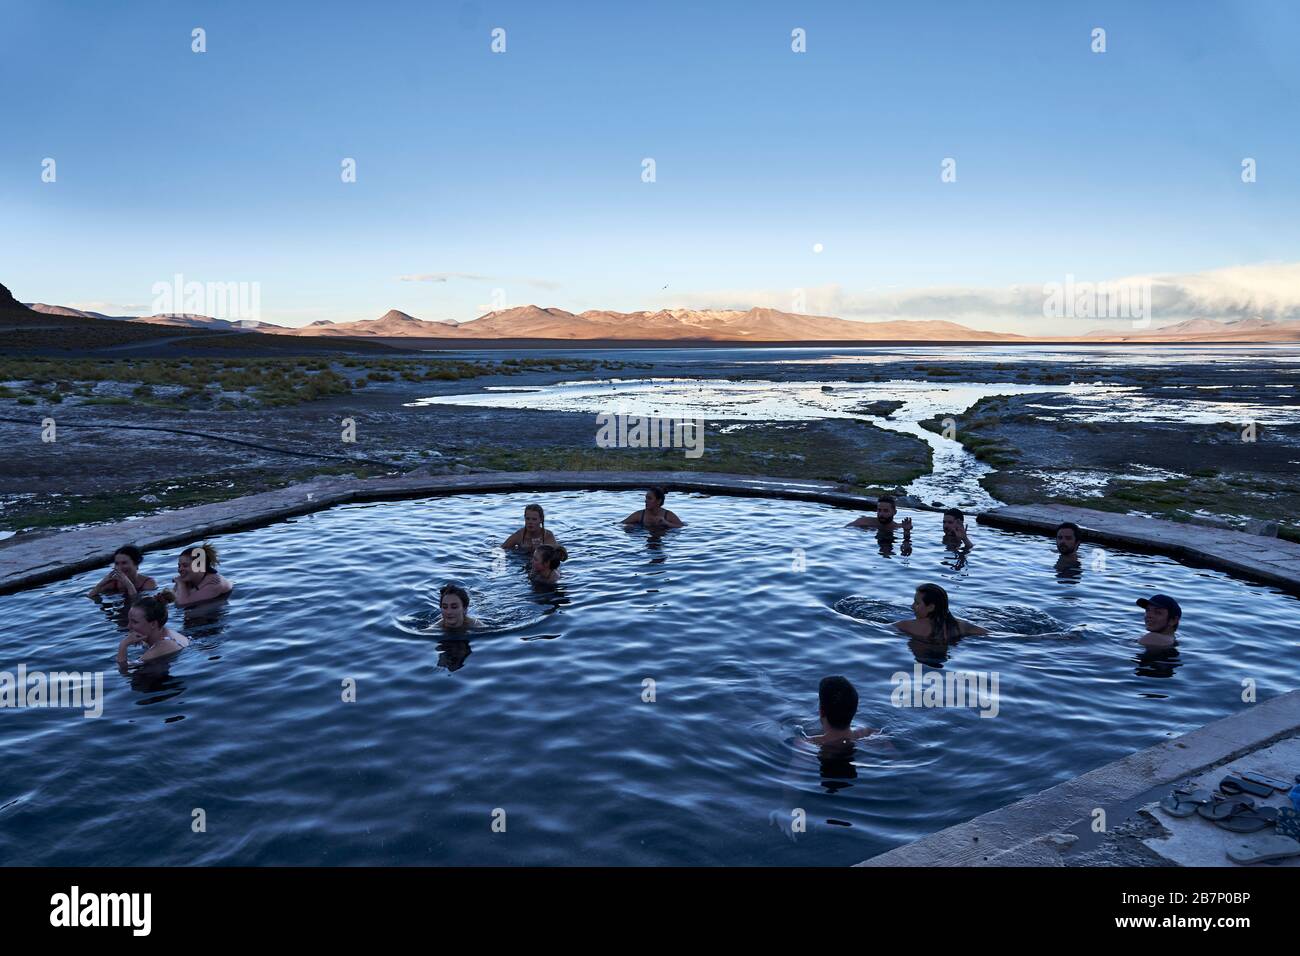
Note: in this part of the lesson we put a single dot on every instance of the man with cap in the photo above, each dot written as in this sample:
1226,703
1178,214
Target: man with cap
1162,616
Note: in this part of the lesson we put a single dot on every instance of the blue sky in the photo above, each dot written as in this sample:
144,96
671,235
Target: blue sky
522,171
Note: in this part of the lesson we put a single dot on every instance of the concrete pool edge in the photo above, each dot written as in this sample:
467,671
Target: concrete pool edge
42,560
53,557
1271,560
1027,832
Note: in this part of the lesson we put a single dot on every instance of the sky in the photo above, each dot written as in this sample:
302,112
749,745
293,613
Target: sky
806,181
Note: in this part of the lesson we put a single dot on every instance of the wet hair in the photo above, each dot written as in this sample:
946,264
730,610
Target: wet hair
155,610
1068,525
132,552
209,555
457,591
886,500
658,492
941,620
955,513
839,701
551,555
538,508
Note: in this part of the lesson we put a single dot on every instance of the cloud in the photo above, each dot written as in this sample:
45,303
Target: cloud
108,308
1267,290
471,277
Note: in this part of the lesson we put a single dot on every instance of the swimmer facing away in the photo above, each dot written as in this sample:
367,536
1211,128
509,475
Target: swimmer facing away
933,619
147,623
654,515
454,603
546,563
837,705
196,578
532,534
125,578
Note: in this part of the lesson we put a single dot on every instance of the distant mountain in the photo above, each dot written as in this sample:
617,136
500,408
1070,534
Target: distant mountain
755,325
391,324
74,313
1207,330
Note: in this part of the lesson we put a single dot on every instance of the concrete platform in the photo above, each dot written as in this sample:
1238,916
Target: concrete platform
1193,841
1037,830
1271,560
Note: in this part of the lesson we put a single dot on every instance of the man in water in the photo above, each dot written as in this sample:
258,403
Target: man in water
886,509
954,531
1162,616
1067,545
837,705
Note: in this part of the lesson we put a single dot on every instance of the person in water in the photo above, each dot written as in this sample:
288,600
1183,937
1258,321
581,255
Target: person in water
1163,615
1067,544
546,563
147,624
532,534
954,531
934,620
196,578
886,509
837,705
654,516
125,578
454,603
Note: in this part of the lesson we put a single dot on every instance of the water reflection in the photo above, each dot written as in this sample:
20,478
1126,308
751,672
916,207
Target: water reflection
452,652
1158,662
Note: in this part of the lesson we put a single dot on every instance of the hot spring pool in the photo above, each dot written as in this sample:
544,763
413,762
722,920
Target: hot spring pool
541,714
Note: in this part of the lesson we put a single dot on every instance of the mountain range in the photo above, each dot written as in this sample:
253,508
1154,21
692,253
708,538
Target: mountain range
717,325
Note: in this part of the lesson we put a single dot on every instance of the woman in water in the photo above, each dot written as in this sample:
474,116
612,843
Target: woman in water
546,563
654,516
454,603
147,622
933,619
125,578
533,533
196,578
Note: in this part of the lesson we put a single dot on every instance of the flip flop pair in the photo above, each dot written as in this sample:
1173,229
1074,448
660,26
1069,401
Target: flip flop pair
1239,815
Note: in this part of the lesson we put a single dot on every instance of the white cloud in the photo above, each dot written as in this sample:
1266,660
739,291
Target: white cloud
472,277
1268,290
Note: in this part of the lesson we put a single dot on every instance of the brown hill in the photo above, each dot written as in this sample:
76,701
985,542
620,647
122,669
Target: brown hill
392,324
755,325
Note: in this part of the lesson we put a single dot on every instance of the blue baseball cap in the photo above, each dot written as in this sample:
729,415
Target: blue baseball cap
1163,601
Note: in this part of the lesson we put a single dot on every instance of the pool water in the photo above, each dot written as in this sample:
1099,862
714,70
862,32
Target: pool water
541,719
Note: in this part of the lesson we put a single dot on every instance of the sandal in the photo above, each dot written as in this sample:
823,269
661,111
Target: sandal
1183,803
1262,849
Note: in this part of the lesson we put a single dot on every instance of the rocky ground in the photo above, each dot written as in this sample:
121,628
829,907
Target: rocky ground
112,459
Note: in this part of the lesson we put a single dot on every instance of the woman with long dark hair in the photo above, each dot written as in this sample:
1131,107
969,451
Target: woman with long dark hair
934,620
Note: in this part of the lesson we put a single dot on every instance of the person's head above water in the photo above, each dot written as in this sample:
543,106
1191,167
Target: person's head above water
930,603
886,508
953,519
127,559
196,561
148,616
837,702
1067,537
453,600
654,497
1162,613
534,518
548,557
